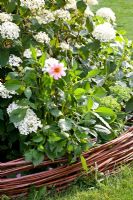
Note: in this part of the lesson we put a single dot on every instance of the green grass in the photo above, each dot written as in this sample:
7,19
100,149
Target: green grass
118,187
124,13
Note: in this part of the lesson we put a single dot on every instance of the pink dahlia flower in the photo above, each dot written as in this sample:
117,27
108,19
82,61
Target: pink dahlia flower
57,70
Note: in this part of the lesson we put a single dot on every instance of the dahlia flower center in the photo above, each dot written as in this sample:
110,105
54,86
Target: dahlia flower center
57,69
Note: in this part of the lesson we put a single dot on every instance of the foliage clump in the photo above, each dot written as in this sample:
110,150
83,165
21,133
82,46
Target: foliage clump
65,75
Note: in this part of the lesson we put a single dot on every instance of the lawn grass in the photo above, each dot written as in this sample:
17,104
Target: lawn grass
124,13
118,187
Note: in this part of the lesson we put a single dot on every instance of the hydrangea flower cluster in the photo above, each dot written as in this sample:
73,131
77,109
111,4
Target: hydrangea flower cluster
32,4
4,17
91,2
42,37
106,13
4,93
65,46
71,4
104,32
45,17
122,93
14,61
110,102
31,123
9,30
62,14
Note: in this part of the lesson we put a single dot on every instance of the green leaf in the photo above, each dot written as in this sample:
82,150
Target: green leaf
13,84
34,52
55,112
102,120
93,45
28,93
42,59
18,115
65,124
100,92
111,66
89,24
81,6
90,104
93,73
102,129
4,57
84,163
79,92
34,156
38,138
11,5
106,112
1,115
129,105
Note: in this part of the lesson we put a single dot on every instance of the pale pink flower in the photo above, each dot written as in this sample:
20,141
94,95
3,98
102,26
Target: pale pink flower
57,70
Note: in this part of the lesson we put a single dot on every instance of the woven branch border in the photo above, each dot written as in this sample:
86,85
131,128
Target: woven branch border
105,158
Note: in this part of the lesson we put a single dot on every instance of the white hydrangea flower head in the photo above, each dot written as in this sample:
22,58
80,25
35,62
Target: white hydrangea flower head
9,30
31,123
106,13
62,14
72,4
13,106
32,4
4,93
65,46
91,2
42,37
5,17
14,61
88,12
104,32
45,17
49,62
28,54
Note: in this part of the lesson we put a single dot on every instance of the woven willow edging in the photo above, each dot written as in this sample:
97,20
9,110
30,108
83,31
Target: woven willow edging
106,157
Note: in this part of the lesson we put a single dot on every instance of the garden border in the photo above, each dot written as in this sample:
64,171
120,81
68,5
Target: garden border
104,158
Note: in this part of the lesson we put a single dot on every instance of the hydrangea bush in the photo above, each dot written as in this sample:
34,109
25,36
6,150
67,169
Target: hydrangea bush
65,78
